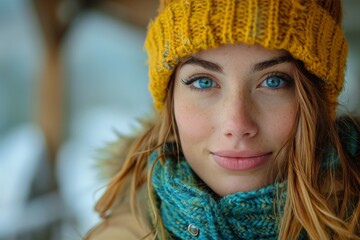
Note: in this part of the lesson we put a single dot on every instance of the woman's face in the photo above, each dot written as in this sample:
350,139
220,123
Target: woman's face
234,107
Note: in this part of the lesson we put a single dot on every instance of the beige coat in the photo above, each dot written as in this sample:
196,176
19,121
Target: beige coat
121,224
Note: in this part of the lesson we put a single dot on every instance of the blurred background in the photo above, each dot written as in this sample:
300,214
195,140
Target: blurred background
72,73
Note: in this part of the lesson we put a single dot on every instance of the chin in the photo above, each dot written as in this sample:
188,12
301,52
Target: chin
224,190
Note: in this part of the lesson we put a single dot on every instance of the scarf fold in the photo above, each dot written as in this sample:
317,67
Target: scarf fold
187,206
190,211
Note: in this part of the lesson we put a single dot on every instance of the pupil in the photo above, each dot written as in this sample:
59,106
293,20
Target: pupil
273,82
204,83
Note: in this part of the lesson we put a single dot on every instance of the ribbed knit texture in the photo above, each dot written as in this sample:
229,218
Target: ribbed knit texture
302,28
182,201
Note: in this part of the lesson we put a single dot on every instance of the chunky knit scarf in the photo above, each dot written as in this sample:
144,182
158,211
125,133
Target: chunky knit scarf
189,209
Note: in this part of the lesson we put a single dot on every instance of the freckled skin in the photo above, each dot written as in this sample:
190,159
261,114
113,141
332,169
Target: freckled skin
239,113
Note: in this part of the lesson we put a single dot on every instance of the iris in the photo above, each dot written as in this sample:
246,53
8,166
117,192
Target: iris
274,82
203,83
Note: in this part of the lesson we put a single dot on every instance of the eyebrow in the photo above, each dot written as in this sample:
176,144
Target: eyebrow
257,67
203,63
272,62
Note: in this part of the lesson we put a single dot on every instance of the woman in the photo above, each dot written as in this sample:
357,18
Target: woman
246,144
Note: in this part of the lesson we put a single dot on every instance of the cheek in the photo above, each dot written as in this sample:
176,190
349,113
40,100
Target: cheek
281,122
194,125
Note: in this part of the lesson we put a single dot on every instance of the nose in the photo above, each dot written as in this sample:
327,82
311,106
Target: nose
239,117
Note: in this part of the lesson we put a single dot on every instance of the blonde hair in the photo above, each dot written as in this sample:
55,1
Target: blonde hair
324,202
134,173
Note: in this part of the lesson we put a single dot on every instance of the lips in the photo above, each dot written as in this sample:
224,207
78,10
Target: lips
240,161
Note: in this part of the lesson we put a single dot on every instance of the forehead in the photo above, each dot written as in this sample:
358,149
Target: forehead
235,57
241,51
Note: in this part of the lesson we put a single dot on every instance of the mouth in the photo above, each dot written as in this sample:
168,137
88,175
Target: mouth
240,161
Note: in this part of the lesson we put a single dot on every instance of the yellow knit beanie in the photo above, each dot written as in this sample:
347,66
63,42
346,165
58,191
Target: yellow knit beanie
310,30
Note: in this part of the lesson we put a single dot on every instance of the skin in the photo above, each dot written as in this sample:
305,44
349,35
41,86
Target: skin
234,107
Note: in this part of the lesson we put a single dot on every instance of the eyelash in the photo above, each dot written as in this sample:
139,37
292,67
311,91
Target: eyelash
282,76
193,79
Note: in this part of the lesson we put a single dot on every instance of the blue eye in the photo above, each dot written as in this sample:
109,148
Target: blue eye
274,82
204,83
200,83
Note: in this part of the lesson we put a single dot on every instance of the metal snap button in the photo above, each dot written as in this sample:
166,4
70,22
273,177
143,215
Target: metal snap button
193,230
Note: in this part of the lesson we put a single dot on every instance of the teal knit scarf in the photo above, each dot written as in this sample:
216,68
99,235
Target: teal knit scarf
189,209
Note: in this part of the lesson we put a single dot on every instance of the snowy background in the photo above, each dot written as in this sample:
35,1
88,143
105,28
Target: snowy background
104,65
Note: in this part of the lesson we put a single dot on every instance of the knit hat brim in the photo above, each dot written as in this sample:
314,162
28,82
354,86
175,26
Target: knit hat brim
302,28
